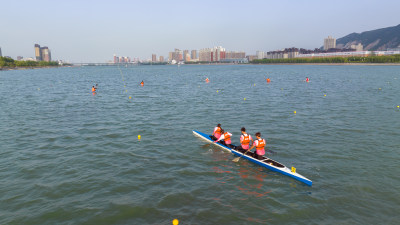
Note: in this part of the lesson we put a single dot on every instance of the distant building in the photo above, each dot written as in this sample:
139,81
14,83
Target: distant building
235,55
260,54
46,55
389,49
215,54
251,57
187,57
176,55
19,58
283,54
205,55
194,54
38,53
185,54
116,59
161,58
329,43
42,53
358,48
347,54
154,58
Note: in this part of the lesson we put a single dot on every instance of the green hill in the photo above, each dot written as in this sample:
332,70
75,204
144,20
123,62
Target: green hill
379,39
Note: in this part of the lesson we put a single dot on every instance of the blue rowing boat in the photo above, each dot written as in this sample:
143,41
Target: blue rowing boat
265,162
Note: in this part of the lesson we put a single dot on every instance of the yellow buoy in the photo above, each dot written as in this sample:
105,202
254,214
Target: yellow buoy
130,97
124,85
126,90
380,88
175,222
294,112
139,137
324,95
254,84
245,99
217,91
398,106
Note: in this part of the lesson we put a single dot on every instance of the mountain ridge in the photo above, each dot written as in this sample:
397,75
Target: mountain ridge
374,40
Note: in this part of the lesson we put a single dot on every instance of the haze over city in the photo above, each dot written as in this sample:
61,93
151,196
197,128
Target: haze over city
92,31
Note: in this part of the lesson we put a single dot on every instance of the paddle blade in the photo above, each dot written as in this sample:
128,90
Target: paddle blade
236,159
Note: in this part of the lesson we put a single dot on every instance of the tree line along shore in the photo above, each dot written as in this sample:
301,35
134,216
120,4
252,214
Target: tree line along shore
8,63
352,59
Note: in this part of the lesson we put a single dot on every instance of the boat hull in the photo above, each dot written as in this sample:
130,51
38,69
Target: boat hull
266,162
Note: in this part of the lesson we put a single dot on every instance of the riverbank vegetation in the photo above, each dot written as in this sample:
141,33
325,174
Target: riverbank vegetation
6,62
353,59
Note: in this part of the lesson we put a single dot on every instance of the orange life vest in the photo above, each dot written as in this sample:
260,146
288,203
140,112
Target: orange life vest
142,83
218,131
260,144
93,89
268,80
227,137
246,139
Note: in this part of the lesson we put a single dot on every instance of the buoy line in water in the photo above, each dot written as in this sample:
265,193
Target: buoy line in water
123,82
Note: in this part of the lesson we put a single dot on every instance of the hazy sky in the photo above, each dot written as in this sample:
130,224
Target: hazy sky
92,31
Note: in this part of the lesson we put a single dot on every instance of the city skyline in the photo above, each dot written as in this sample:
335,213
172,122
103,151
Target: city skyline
94,31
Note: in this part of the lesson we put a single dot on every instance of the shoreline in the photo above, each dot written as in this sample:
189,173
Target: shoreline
316,64
332,64
32,68
224,64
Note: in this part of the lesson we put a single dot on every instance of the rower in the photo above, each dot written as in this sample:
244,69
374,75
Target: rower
217,132
268,80
142,83
259,144
245,139
307,80
226,137
207,80
94,89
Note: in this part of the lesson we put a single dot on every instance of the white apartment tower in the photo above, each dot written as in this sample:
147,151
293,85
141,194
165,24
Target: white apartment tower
329,42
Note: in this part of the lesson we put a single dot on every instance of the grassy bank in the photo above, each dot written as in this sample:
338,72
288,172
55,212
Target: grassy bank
8,63
328,60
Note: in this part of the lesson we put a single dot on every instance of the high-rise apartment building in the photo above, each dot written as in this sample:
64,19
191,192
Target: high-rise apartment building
329,43
46,55
42,53
154,58
215,54
194,54
161,58
176,55
260,54
38,53
170,56
185,52
235,55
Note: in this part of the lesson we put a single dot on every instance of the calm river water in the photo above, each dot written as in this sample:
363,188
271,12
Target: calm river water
70,157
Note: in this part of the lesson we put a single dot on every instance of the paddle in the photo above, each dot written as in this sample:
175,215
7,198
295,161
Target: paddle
237,159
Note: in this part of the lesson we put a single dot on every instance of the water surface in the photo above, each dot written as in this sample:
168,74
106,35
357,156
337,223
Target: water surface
70,157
